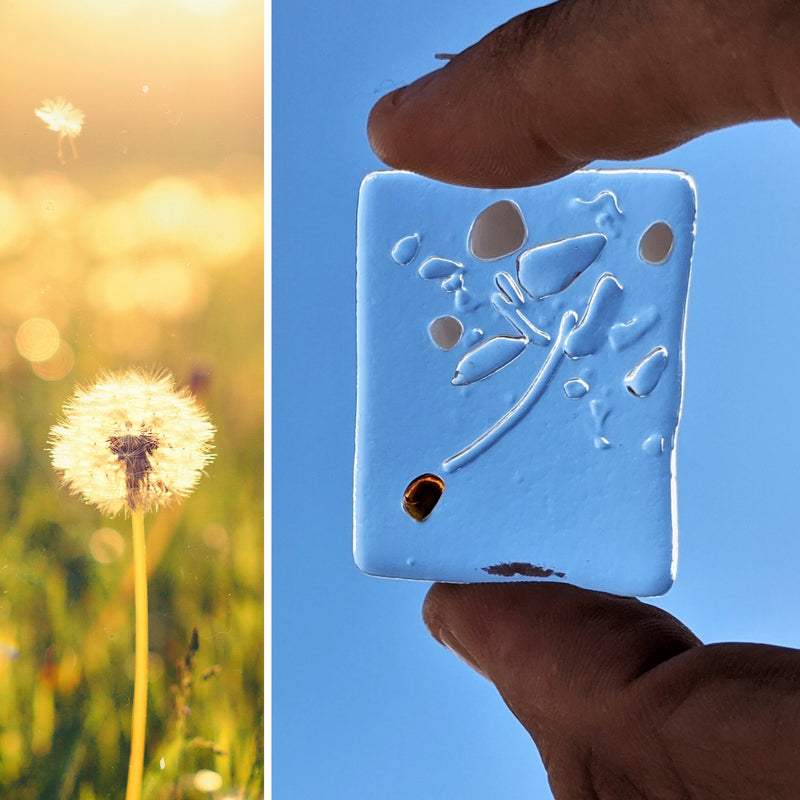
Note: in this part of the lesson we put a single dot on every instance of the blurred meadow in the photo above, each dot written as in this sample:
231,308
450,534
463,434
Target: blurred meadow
146,250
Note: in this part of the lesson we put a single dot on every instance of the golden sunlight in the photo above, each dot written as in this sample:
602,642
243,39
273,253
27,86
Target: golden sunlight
206,7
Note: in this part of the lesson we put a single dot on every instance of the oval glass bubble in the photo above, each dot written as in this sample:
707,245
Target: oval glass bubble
656,244
498,231
446,332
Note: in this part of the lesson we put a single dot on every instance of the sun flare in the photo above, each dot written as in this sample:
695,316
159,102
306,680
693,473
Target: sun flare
206,7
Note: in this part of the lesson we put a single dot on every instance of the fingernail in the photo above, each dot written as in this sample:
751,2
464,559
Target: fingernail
451,642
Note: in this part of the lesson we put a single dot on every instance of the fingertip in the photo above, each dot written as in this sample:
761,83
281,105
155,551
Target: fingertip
499,625
436,611
462,124
434,608
407,128
379,126
476,617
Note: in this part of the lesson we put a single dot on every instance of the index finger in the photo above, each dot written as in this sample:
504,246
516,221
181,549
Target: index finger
560,86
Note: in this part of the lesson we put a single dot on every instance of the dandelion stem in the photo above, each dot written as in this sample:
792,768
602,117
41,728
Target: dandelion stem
136,763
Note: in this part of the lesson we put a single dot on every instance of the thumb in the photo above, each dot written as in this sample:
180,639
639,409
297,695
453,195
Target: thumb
558,655
622,700
560,86
552,648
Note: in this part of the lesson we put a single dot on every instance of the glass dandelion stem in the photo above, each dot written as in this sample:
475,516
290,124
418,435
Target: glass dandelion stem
136,762
523,405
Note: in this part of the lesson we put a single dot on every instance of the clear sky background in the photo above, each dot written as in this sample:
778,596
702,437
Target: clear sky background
365,703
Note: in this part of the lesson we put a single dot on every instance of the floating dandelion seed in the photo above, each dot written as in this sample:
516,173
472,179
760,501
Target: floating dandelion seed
63,118
133,442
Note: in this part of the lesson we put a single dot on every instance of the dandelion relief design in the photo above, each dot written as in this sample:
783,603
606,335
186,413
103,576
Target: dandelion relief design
63,118
538,286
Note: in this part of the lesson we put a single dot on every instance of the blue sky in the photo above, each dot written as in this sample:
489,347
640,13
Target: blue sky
365,703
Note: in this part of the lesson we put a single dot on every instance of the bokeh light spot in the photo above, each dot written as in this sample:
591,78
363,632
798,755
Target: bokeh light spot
9,649
106,545
111,228
215,536
115,287
179,289
169,206
37,339
57,366
234,227
206,780
165,287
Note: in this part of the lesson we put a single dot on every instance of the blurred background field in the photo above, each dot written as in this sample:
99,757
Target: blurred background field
147,250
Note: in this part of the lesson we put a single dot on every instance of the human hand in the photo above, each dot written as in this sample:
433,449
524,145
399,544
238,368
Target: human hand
560,86
621,699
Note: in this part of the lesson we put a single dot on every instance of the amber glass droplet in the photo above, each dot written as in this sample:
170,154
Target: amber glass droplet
422,495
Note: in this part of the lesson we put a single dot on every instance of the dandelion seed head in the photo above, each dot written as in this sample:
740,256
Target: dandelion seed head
61,116
132,441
